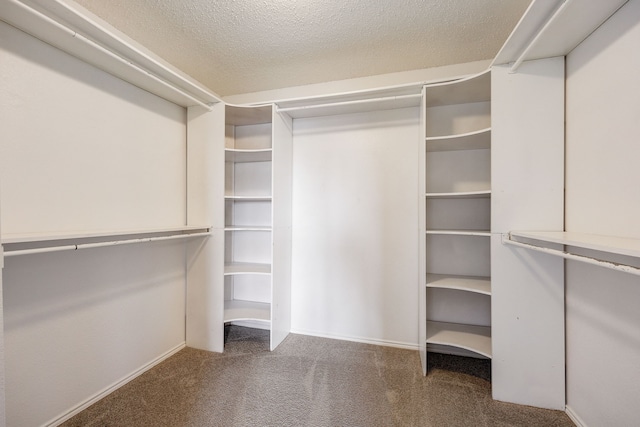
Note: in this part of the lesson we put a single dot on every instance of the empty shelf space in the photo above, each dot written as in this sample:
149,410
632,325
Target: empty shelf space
246,268
246,310
476,140
476,88
245,156
483,233
481,285
468,337
460,195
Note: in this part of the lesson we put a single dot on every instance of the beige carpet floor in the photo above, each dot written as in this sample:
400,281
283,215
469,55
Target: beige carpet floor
310,381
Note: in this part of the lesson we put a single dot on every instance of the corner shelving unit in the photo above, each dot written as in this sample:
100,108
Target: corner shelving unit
257,228
456,286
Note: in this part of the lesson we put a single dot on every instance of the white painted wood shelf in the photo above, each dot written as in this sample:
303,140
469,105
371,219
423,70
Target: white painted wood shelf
247,228
246,268
481,285
14,238
475,140
468,337
248,198
460,195
476,88
601,243
236,155
482,233
236,310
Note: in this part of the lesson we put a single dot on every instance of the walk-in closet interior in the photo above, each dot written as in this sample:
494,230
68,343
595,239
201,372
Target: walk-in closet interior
484,209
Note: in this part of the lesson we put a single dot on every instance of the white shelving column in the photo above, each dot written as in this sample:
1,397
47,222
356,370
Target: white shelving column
528,194
257,249
455,218
205,205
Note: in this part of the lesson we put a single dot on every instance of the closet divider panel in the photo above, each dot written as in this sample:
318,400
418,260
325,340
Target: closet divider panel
528,182
282,215
205,205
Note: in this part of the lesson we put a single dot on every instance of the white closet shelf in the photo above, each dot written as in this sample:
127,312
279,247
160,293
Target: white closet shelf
236,155
460,195
607,245
14,238
249,198
596,242
246,268
481,285
247,228
483,233
476,140
476,88
236,310
468,337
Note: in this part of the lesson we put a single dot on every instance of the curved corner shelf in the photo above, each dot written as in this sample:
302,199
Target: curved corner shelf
246,268
480,285
476,88
235,155
482,233
476,140
468,337
460,195
236,310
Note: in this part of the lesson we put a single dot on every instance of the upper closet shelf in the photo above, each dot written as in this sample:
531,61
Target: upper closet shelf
460,195
606,245
76,31
245,156
476,140
554,28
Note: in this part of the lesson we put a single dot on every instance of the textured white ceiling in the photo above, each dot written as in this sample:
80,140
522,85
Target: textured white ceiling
240,46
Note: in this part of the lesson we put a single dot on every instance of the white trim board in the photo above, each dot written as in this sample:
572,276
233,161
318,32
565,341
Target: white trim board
574,417
384,343
113,387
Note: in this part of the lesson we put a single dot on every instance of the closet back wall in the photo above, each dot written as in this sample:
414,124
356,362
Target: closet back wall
84,151
355,226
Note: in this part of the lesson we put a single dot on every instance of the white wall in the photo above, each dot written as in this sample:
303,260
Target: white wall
355,226
603,197
82,150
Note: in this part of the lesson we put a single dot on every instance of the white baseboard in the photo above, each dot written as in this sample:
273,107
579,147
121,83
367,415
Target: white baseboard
113,387
574,417
385,343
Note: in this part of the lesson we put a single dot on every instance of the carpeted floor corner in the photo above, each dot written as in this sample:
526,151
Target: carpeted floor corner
309,381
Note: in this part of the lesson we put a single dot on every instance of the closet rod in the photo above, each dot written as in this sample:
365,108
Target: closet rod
112,55
534,40
345,103
506,239
101,244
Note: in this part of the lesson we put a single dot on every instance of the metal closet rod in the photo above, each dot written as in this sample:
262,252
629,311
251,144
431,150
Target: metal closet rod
506,239
102,244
